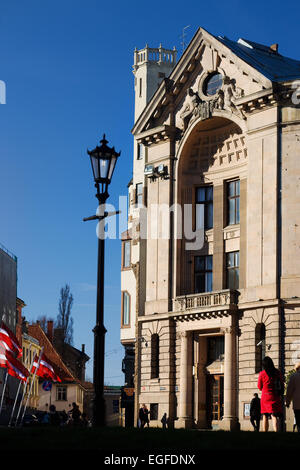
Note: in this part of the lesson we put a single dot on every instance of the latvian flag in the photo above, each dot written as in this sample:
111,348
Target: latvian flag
9,340
14,367
45,369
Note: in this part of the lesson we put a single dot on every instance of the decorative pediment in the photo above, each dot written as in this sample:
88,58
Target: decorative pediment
183,92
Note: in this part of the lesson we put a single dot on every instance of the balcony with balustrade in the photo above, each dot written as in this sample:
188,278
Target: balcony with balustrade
206,305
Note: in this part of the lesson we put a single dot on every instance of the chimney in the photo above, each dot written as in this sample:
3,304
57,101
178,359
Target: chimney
50,330
274,47
83,348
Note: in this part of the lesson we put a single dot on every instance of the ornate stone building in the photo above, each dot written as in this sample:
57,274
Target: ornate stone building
210,271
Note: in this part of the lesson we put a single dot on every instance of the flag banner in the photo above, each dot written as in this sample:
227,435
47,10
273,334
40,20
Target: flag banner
45,369
10,340
15,368
3,360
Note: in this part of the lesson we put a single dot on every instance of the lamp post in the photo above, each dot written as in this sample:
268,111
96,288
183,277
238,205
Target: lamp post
103,161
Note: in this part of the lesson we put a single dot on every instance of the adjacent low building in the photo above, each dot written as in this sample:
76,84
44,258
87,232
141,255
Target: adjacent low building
61,394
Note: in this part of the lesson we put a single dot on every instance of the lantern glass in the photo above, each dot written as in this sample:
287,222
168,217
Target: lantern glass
103,160
104,166
95,167
112,166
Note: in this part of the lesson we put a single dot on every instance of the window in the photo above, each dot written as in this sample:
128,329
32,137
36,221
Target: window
125,309
153,411
212,84
204,207
154,356
139,194
233,194
140,91
61,393
79,395
203,273
233,269
126,254
260,346
215,346
115,404
140,151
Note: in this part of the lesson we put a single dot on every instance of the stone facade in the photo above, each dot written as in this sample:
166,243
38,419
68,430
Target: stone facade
221,139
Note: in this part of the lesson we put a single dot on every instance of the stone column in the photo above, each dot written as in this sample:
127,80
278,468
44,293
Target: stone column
230,420
185,392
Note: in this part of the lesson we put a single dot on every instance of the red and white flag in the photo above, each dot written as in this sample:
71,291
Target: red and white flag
14,367
9,340
44,368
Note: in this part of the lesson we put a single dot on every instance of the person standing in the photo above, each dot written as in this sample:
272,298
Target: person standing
255,413
164,421
271,384
293,394
146,416
143,416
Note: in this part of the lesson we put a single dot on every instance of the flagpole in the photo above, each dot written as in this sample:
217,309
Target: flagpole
18,390
25,387
3,391
32,382
15,402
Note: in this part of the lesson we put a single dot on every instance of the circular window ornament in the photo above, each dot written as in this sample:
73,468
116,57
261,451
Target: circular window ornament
212,84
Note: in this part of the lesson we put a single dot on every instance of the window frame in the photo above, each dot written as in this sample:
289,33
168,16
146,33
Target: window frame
208,207
260,349
140,151
123,324
236,199
123,265
139,195
155,356
59,392
234,268
206,271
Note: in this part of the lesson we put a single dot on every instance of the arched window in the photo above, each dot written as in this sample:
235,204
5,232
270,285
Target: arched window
260,345
154,356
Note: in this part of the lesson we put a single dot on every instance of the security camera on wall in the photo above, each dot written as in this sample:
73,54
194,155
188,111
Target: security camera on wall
149,170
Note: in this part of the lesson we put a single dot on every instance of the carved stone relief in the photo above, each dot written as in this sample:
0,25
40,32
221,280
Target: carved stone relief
196,108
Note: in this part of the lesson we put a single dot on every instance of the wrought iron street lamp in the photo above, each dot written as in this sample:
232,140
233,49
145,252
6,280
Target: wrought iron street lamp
103,160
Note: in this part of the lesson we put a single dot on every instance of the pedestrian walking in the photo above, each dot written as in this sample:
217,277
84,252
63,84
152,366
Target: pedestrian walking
146,414
293,394
255,413
164,421
143,416
271,384
76,414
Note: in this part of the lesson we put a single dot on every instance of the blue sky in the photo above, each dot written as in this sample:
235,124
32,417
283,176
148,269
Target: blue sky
67,66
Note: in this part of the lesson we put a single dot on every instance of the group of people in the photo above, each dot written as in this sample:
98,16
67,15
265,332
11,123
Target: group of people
269,406
271,403
60,418
144,418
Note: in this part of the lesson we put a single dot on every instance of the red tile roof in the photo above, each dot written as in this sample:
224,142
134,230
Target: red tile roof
59,366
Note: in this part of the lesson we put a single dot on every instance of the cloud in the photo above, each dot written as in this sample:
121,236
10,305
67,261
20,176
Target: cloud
86,287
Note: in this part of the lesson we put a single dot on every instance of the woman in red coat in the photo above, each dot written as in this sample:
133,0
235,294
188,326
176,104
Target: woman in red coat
271,384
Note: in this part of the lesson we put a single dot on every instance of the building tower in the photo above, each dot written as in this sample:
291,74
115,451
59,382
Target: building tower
151,66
